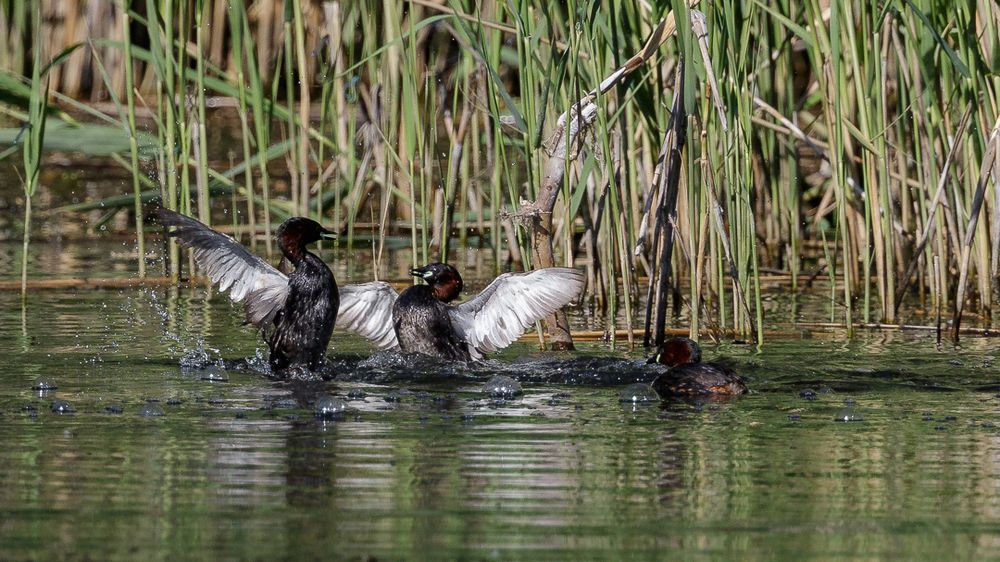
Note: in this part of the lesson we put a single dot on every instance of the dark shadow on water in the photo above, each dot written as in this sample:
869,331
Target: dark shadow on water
387,367
398,369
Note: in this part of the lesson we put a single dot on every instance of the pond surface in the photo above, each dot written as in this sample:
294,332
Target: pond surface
423,465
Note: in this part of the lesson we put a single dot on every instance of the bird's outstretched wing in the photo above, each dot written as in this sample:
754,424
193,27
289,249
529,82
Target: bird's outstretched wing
367,310
262,288
511,304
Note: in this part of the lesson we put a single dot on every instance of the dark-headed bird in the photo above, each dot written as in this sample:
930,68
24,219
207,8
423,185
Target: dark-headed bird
423,320
296,312
689,377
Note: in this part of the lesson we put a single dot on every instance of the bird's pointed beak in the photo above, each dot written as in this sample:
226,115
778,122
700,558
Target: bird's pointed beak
328,234
421,272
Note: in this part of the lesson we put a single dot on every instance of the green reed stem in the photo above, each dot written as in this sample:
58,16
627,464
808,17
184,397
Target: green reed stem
132,132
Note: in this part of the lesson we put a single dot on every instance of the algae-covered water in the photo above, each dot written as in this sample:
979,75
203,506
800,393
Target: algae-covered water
178,447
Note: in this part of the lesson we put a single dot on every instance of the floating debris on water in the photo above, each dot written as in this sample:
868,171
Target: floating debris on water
502,387
62,407
356,394
808,394
393,396
113,409
44,384
328,407
638,393
151,410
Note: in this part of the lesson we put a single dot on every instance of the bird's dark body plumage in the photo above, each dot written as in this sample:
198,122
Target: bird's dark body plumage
423,325
295,312
302,329
689,377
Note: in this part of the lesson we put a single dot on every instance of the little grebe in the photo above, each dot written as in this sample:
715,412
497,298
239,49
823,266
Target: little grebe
295,312
423,320
688,376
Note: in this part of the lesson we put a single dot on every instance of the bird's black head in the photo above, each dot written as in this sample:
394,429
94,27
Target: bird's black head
295,233
444,280
677,351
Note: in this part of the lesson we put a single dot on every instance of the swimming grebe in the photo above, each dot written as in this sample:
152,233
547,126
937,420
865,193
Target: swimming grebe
295,312
688,376
423,320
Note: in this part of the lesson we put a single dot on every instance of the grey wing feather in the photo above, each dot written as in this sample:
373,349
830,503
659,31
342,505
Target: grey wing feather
228,263
367,310
511,304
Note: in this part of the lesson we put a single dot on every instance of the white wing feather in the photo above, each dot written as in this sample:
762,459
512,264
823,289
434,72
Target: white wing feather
367,310
229,264
511,304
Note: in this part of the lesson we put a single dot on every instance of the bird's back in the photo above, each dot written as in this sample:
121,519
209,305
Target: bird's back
694,379
423,325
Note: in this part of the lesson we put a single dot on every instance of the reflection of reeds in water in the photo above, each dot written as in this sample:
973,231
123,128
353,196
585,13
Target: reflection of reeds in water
825,141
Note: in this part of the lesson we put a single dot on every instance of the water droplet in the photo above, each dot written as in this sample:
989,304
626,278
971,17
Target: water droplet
330,407
151,410
214,374
62,407
44,384
848,414
638,393
502,387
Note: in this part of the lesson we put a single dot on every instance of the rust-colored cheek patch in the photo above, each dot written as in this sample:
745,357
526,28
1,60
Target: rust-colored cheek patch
447,291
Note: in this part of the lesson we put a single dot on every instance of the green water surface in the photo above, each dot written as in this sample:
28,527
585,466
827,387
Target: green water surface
242,469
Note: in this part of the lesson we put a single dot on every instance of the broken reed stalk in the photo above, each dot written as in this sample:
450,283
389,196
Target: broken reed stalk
663,238
564,145
988,168
935,204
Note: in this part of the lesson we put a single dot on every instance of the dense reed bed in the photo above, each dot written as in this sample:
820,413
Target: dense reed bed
684,150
